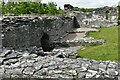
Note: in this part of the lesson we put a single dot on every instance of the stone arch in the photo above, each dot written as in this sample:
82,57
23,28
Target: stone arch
76,24
107,13
45,43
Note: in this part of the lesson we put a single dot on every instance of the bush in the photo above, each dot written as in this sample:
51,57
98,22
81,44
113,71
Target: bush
19,8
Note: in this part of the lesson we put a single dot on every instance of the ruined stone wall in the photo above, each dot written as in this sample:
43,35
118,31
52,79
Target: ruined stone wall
24,32
96,18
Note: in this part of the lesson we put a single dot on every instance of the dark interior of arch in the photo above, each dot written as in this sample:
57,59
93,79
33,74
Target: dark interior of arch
45,43
76,24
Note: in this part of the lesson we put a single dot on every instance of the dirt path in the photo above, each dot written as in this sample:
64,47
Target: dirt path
78,33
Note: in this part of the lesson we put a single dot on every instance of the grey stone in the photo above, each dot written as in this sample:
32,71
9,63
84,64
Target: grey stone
26,64
89,75
51,63
6,76
41,72
97,76
10,61
29,71
95,62
5,53
39,58
33,55
16,65
23,64
82,69
65,76
2,73
82,74
73,66
112,65
13,55
9,71
37,51
63,66
94,67
73,72
51,72
59,59
86,65
118,77
16,71
60,55
93,72
112,72
1,60
69,61
38,65
46,65
102,67
52,67
26,54
15,76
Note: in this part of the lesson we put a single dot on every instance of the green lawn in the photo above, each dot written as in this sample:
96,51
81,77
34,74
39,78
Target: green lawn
107,51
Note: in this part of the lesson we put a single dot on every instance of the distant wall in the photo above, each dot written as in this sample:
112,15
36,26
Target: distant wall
95,20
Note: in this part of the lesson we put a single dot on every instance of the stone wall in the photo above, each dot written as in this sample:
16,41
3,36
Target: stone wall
93,20
28,66
24,32
96,18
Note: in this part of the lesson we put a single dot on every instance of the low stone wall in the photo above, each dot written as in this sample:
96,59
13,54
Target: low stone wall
15,65
80,42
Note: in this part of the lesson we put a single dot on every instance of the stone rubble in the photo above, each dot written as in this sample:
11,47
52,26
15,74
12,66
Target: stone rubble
79,42
52,66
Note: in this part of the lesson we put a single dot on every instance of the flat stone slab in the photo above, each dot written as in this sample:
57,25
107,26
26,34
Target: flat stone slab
81,30
73,36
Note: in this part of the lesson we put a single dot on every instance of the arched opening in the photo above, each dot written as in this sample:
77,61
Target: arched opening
45,43
76,24
106,14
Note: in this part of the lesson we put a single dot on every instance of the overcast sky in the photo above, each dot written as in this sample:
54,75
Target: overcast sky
84,3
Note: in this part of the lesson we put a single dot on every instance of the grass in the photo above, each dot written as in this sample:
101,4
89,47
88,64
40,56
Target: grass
107,51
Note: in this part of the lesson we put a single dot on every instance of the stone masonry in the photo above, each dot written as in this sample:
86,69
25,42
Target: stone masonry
29,51
17,64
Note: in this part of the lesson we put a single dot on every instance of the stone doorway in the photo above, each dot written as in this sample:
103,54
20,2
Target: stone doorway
76,24
45,43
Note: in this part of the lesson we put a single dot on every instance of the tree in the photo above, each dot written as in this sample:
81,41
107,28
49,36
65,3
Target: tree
30,7
52,8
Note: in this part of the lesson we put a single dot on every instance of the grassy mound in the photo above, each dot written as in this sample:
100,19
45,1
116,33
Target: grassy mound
107,51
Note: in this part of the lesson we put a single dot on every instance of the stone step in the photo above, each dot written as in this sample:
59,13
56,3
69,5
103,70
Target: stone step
83,30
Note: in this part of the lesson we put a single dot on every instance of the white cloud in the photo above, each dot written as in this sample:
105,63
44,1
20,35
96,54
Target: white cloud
85,3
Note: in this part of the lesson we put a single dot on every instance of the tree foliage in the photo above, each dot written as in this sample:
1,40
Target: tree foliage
18,8
83,9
